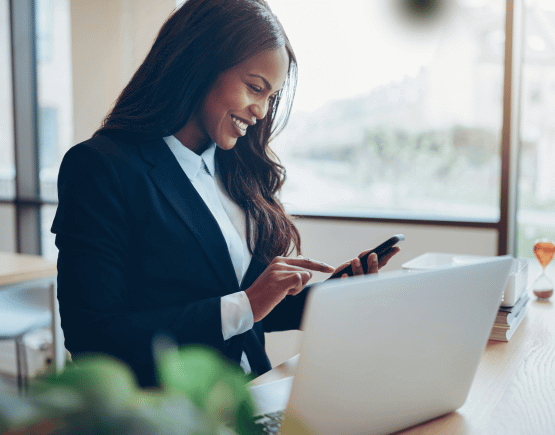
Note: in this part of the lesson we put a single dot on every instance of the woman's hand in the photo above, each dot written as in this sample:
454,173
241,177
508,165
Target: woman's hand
373,264
283,276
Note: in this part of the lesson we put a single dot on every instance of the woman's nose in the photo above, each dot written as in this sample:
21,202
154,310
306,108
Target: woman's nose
259,109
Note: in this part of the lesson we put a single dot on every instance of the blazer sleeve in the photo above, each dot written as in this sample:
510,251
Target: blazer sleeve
94,269
287,314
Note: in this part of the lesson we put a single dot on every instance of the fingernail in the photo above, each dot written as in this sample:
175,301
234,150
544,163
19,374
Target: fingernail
324,264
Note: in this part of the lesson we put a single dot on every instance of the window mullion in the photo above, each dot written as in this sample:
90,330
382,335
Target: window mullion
24,76
510,133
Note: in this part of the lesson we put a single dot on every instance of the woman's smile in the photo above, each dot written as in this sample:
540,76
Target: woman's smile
240,125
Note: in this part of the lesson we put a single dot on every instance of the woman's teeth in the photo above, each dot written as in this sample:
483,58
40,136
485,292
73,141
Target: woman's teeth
242,126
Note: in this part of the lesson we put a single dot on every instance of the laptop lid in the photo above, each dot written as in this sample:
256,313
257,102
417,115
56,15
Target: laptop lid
384,352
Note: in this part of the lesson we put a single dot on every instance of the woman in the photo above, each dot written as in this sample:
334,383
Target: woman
168,219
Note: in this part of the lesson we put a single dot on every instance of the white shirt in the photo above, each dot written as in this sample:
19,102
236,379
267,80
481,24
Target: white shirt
201,170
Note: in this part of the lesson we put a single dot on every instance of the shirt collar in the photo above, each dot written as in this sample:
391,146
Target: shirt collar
209,157
189,161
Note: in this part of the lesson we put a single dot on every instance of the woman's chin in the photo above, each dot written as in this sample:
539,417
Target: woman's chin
227,144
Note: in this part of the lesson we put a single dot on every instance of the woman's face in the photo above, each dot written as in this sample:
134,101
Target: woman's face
238,99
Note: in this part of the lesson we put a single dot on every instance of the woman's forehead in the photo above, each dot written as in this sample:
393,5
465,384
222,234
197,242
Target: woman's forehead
272,65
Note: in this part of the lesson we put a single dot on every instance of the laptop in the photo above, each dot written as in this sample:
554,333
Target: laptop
384,352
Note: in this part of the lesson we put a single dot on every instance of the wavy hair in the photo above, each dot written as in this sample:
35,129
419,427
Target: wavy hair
198,42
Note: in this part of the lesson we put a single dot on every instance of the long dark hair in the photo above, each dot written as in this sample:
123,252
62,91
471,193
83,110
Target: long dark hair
198,42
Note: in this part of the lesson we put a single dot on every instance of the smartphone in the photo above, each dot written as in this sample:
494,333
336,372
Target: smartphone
380,250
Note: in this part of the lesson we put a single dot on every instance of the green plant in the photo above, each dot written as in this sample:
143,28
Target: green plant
200,393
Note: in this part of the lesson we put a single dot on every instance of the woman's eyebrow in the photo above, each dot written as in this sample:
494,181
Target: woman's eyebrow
266,82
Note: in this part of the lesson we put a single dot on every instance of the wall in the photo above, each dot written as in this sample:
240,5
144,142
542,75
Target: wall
110,38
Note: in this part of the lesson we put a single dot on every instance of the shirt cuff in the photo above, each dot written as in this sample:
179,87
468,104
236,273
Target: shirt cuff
236,314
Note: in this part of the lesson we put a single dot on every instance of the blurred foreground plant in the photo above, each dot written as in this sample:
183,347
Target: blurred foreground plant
200,393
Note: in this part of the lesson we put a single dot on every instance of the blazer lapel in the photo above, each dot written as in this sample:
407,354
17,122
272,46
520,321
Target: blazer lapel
177,188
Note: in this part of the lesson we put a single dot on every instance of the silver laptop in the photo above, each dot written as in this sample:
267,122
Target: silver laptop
384,352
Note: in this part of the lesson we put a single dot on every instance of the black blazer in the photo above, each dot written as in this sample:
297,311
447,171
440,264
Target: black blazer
141,254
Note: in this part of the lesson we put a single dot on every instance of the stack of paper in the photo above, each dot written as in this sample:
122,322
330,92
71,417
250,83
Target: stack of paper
508,319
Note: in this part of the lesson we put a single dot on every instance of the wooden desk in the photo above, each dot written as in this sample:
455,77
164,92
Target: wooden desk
514,388
19,271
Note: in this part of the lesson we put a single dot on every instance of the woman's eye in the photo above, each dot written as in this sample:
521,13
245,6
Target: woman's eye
255,88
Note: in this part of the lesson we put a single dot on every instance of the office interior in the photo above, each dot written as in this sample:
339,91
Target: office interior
475,118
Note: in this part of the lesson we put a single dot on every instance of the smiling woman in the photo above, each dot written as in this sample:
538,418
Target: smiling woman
168,219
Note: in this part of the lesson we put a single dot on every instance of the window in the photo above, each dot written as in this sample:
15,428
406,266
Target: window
7,169
49,157
44,30
536,215
55,104
48,136
395,114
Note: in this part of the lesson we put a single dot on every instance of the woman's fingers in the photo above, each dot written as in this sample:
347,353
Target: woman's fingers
296,282
387,256
341,267
308,263
275,283
384,258
373,265
356,265
363,253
